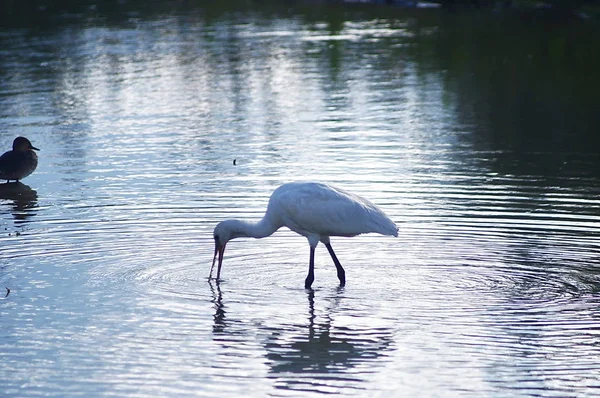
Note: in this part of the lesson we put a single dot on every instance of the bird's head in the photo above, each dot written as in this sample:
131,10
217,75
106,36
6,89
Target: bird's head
23,144
224,232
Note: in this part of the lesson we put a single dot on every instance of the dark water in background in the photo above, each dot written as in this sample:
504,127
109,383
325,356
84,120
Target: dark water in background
476,133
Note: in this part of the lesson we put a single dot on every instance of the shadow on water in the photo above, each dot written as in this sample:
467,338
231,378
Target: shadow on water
318,355
23,198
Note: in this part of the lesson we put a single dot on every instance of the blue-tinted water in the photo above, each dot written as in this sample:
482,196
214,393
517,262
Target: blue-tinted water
491,288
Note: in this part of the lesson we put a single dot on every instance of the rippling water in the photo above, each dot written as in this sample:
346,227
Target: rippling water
492,287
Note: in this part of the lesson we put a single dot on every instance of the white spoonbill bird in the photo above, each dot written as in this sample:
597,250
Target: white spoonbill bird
313,210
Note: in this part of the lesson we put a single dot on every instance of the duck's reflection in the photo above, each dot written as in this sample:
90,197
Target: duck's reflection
334,355
24,199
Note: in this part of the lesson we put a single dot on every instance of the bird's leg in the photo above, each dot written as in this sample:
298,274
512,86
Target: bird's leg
340,270
311,269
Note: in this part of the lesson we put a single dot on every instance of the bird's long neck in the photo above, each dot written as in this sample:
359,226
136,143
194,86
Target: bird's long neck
260,229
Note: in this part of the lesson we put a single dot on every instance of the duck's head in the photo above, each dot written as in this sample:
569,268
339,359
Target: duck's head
23,144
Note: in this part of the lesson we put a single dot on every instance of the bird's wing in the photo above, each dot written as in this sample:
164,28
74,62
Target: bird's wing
323,210
8,162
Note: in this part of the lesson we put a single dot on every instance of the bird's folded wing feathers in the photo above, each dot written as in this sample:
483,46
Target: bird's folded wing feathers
331,212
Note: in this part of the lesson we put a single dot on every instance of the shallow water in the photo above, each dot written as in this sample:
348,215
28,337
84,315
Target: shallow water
491,288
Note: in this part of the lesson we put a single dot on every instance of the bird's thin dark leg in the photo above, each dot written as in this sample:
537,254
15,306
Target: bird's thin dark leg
311,269
340,270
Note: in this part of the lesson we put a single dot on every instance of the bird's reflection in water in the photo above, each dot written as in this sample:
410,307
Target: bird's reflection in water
223,328
23,198
219,317
321,357
315,355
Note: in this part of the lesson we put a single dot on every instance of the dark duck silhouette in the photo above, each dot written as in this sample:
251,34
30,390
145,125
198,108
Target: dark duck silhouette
20,162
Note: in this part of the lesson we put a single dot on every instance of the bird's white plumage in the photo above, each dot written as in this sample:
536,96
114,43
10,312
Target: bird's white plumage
320,209
314,210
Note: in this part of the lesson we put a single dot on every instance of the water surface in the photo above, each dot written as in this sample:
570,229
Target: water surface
475,133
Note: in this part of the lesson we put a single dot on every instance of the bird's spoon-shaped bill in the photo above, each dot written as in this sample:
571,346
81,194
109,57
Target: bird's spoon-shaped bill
219,250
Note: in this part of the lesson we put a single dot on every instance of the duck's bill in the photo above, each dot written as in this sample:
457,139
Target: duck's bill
219,250
32,147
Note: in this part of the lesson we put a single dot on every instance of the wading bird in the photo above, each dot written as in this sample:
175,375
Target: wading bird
313,210
20,162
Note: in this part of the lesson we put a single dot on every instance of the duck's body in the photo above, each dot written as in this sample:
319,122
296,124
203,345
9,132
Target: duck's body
20,162
314,210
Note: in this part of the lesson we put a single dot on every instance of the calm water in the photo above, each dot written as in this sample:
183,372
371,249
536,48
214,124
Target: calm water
476,134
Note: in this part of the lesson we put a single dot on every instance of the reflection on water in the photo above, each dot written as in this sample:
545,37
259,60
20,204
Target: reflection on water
219,317
21,198
321,357
476,134
318,355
